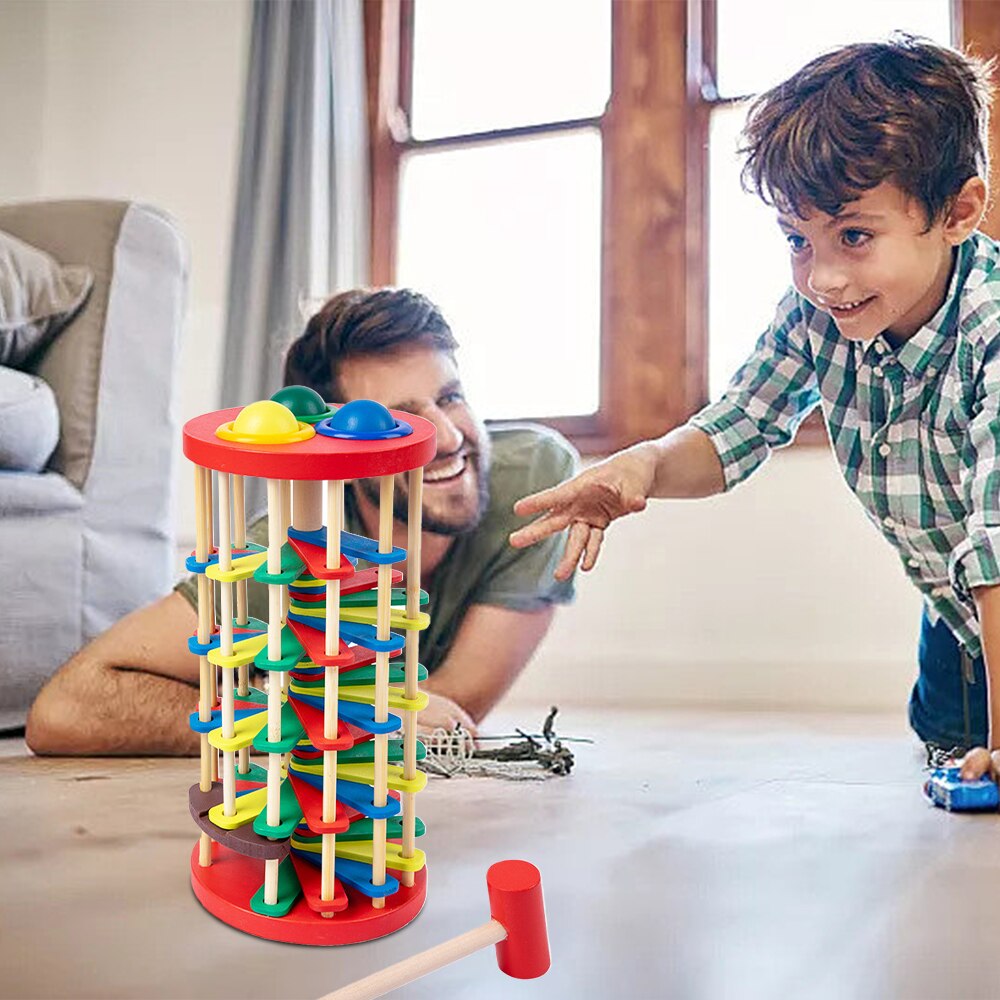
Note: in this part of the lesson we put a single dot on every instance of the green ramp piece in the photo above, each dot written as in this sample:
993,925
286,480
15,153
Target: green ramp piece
364,753
291,567
318,685
253,623
366,675
361,829
291,815
255,696
291,653
289,890
369,598
291,732
256,773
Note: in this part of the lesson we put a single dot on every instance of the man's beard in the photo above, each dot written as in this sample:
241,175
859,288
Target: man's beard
431,522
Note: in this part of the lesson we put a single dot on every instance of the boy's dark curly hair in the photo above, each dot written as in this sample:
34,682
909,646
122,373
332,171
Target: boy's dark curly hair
362,322
906,110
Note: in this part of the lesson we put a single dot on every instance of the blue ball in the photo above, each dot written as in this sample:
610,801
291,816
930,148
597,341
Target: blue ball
362,416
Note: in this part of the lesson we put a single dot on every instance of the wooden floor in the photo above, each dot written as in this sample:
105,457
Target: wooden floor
689,855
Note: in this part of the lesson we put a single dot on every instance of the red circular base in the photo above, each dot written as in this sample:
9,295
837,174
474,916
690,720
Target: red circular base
226,886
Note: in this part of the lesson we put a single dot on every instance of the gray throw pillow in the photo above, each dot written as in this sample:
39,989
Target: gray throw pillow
29,421
38,297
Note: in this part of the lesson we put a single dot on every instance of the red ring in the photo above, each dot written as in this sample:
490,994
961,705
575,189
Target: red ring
318,458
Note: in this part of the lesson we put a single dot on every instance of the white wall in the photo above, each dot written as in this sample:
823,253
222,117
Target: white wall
779,594
138,99
22,96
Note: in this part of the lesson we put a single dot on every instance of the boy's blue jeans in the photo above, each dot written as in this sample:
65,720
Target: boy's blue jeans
948,702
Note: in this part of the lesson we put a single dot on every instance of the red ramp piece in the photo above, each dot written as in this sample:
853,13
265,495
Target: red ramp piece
350,657
314,643
311,800
366,579
310,878
315,559
312,719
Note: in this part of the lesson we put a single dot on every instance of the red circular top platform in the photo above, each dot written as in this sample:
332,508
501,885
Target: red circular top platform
318,458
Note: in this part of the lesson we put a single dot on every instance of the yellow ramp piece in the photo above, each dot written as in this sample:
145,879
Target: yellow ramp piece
365,695
242,568
243,652
248,807
361,850
369,616
364,774
245,730
397,618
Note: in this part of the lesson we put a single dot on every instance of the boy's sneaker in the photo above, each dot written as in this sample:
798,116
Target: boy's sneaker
940,756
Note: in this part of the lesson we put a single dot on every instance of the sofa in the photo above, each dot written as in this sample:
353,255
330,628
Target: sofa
87,538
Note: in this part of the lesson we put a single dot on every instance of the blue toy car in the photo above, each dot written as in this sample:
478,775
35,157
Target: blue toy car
945,788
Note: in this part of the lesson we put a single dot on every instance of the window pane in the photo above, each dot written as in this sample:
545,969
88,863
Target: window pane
481,66
747,260
786,35
506,238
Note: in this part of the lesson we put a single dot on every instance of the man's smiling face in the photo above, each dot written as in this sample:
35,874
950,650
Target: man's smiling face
424,380
876,266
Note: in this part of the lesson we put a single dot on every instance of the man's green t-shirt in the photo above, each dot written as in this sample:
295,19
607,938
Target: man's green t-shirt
480,567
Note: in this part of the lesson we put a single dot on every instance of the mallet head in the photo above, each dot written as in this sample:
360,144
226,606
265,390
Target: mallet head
515,889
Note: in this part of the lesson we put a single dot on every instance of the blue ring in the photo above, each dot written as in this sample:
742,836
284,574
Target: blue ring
402,429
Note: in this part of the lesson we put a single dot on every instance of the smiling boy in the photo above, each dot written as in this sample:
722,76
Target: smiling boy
874,156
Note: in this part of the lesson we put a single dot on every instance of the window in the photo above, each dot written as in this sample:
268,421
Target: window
519,180
561,177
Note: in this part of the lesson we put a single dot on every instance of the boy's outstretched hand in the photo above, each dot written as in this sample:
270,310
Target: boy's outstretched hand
586,505
980,762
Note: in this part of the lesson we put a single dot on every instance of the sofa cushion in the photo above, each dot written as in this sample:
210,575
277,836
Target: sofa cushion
29,421
38,297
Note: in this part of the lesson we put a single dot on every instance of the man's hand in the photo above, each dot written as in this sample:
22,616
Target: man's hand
443,713
586,505
980,762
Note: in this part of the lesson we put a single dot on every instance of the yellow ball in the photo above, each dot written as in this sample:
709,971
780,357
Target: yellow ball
265,417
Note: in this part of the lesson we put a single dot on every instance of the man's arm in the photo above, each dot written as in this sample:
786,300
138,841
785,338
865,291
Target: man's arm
491,648
129,691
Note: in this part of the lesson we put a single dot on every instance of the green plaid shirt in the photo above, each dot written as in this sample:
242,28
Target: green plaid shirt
916,430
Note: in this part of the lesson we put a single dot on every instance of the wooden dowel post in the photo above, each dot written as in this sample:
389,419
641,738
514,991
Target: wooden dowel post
226,645
274,543
208,507
414,524
286,520
384,611
242,602
201,549
335,524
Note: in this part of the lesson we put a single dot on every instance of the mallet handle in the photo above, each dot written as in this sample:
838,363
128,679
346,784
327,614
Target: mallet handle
380,983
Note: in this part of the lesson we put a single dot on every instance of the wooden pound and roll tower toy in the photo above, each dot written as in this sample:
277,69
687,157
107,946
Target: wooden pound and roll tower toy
318,847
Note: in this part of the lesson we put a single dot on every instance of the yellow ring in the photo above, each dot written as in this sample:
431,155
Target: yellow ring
226,432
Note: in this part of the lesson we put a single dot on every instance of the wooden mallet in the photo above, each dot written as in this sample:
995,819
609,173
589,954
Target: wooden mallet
516,927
